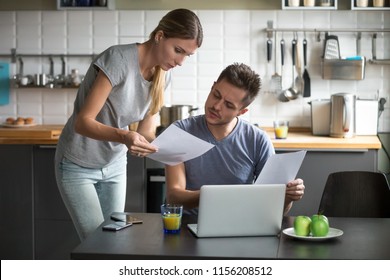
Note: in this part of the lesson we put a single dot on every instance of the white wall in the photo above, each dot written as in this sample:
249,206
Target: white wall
230,36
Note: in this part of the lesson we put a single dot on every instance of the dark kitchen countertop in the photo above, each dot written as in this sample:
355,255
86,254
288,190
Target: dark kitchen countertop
363,238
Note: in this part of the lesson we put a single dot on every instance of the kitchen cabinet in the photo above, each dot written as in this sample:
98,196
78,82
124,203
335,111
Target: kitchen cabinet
139,171
55,235
16,202
318,164
36,222
135,193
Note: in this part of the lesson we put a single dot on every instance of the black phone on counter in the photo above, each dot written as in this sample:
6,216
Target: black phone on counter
116,226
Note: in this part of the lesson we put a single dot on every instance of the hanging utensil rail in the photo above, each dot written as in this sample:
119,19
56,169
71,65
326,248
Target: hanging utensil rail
321,30
14,55
270,33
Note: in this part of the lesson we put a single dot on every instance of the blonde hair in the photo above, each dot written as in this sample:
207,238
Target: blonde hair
179,23
157,90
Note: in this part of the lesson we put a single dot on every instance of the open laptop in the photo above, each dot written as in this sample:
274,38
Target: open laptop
240,210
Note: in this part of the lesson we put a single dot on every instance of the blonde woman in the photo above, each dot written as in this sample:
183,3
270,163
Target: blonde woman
124,84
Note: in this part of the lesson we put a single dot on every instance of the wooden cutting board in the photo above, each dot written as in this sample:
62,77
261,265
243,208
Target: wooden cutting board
36,132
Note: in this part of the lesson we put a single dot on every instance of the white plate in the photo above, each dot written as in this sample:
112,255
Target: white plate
17,125
333,233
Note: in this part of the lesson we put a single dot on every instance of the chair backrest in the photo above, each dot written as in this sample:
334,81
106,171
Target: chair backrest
356,194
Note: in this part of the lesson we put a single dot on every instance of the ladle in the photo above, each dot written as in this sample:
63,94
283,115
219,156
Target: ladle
292,92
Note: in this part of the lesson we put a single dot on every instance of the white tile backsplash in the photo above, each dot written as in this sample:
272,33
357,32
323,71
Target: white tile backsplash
131,16
229,36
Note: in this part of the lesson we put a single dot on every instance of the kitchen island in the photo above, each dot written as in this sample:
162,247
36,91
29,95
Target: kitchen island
41,227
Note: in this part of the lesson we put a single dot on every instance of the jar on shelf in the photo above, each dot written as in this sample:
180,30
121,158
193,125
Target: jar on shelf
325,3
379,3
293,3
361,3
309,3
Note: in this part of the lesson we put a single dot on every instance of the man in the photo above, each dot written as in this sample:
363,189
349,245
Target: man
241,149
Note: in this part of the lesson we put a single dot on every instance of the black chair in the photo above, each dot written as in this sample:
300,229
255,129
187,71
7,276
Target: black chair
356,194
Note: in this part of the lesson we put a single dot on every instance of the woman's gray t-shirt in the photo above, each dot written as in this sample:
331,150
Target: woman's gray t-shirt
236,159
128,102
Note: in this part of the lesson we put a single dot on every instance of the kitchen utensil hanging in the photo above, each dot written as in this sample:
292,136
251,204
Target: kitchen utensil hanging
298,68
332,47
306,77
374,59
276,79
292,92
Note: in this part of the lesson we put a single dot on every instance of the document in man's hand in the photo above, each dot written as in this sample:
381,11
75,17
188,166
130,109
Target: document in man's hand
281,168
176,145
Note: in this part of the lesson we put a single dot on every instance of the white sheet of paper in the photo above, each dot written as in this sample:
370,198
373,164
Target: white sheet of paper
281,168
176,145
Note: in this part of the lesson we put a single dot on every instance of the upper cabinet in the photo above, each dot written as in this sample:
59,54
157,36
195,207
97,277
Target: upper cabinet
85,4
309,4
370,5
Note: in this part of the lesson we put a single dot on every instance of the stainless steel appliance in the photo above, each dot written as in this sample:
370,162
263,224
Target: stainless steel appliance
342,115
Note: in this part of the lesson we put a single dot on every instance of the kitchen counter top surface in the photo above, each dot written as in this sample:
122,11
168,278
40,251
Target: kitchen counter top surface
298,138
305,140
38,134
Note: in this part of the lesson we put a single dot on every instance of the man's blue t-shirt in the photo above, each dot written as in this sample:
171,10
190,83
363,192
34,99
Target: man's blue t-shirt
236,159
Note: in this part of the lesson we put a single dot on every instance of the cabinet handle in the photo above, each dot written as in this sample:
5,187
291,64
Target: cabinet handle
47,146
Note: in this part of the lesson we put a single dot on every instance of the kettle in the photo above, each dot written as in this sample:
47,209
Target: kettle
342,115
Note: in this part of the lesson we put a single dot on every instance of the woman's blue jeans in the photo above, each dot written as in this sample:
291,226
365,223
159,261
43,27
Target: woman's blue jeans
91,195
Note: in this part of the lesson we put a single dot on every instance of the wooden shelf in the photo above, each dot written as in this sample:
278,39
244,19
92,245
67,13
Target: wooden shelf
317,6
67,5
370,6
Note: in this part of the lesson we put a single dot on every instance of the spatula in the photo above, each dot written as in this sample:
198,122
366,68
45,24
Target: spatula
276,79
306,77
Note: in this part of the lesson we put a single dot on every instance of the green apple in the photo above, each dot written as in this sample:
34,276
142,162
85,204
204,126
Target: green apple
302,225
319,217
319,226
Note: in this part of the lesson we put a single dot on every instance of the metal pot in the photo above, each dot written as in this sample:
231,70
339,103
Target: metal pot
169,114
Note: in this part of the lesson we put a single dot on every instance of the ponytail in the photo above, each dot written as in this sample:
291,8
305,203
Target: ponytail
157,91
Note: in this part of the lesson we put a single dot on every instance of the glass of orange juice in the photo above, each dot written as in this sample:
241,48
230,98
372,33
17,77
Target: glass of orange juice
171,217
281,129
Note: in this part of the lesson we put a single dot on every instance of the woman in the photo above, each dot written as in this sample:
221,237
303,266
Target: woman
124,84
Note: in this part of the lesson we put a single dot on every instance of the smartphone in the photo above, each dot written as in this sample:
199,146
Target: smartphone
125,217
116,226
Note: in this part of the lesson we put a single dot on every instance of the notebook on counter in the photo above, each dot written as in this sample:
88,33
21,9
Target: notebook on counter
239,210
